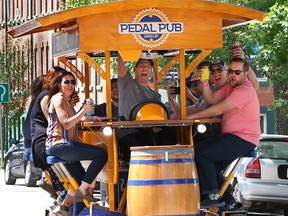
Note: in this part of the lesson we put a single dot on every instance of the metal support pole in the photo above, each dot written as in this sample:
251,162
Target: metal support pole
1,137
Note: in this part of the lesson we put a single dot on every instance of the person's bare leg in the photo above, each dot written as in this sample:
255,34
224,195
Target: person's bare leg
68,200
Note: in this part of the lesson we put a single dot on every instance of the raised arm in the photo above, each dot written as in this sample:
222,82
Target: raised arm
238,52
253,78
210,96
122,69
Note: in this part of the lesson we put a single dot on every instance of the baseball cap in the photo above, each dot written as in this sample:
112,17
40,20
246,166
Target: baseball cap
218,63
142,59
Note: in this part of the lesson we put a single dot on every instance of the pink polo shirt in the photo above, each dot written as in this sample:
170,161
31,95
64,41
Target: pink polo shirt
244,119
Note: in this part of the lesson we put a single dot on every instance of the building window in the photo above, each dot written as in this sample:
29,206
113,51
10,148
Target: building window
28,9
12,10
263,122
42,59
47,57
52,6
46,6
2,11
35,60
58,5
41,6
8,9
35,8
20,8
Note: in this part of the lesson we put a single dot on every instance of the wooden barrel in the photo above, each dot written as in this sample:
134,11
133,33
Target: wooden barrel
162,180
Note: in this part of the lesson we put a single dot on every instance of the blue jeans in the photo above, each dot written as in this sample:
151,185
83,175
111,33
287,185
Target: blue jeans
212,156
77,151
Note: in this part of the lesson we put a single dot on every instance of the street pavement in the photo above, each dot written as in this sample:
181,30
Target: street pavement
19,200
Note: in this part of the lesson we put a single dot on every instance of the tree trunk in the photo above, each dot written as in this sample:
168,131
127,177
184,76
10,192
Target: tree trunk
281,120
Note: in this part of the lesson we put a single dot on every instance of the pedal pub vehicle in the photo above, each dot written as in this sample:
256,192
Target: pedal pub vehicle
128,28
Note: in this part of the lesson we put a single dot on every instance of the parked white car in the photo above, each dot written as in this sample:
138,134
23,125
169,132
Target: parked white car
262,182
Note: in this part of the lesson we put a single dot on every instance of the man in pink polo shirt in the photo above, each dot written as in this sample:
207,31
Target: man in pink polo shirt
238,102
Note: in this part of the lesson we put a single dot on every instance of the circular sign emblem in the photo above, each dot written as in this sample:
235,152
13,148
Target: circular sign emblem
150,28
151,39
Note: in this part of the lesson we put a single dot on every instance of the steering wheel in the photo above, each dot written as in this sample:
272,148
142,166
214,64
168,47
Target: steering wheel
150,108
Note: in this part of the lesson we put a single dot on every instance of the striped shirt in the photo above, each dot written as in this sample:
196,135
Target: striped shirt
56,132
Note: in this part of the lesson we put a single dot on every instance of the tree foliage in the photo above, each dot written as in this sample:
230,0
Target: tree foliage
272,35
13,67
267,41
68,4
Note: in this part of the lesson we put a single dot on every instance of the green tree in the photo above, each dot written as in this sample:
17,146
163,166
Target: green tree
271,57
13,67
68,4
272,35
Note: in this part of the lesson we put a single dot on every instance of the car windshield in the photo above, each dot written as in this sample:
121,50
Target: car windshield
273,149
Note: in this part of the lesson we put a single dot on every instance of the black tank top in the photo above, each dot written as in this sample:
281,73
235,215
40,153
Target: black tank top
40,121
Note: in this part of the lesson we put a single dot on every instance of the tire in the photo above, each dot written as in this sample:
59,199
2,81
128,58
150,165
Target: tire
8,178
239,198
285,211
29,181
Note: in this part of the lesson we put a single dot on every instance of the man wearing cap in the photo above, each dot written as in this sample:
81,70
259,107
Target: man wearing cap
218,74
131,92
197,88
238,102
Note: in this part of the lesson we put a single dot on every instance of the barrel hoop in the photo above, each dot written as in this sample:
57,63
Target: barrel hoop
160,161
162,182
155,152
184,215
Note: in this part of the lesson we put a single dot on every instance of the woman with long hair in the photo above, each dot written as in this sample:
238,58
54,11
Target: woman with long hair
39,124
63,143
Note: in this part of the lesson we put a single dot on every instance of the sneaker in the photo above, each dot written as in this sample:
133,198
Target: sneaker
59,212
209,203
236,207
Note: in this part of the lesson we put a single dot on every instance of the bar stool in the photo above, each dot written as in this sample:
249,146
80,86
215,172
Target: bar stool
63,174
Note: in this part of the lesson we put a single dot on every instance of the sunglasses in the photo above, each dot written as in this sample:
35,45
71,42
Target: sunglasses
72,82
195,84
218,70
237,72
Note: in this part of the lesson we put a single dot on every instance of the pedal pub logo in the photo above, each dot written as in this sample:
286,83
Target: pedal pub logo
150,28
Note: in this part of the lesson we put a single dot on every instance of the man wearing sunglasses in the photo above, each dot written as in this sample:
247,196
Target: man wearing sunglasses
218,73
238,102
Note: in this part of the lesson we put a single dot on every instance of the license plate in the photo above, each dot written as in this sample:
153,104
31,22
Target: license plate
283,171
234,213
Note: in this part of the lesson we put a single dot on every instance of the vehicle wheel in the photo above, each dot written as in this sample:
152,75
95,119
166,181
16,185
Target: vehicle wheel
285,211
29,181
239,198
8,175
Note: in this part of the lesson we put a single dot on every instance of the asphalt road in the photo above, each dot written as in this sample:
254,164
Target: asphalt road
19,200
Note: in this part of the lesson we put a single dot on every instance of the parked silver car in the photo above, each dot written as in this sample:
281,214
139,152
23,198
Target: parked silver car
262,182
